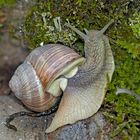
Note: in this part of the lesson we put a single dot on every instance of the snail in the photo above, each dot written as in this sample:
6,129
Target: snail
54,69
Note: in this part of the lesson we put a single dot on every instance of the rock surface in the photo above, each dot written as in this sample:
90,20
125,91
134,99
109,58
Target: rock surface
34,128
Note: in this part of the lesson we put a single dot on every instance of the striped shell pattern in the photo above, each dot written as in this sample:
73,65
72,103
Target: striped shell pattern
43,75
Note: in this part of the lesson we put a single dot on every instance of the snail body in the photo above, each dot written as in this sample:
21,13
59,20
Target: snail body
83,81
85,91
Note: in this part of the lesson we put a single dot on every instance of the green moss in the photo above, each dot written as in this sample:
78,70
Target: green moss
130,35
123,110
7,2
43,28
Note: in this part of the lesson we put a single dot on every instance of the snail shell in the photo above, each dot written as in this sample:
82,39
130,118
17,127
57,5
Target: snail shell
39,80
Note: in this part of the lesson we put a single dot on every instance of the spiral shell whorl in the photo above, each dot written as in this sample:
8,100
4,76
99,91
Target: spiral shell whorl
15,86
27,87
50,60
43,66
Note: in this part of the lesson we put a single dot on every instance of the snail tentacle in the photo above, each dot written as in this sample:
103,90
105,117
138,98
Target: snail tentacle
82,35
102,31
